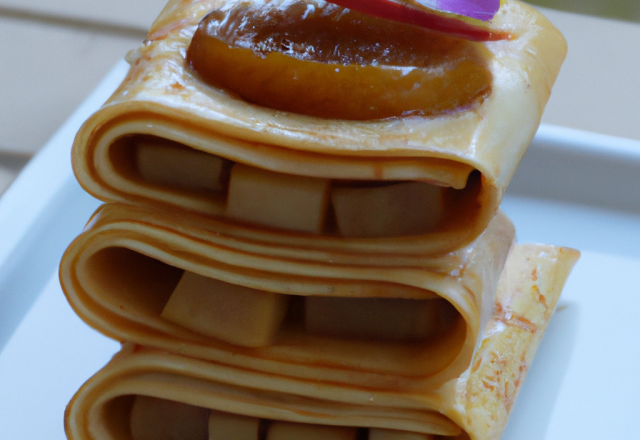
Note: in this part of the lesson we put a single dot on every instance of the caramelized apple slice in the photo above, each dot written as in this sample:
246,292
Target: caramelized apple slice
227,426
159,419
171,164
331,62
390,434
300,431
408,208
279,200
228,312
393,319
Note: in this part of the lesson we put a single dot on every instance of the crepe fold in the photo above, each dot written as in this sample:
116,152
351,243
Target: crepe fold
474,151
475,404
120,272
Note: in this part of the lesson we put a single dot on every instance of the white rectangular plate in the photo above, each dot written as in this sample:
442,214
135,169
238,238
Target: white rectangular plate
573,189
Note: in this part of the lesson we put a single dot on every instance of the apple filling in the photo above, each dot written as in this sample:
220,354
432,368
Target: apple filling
319,59
396,209
392,319
279,200
232,313
368,325
169,164
366,209
252,318
152,418
187,304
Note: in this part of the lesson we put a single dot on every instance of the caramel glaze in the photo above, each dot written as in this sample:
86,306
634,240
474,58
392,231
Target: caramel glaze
326,61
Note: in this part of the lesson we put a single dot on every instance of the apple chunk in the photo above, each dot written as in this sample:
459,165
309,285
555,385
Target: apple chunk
298,431
160,419
231,313
398,209
171,164
227,426
391,434
393,319
279,200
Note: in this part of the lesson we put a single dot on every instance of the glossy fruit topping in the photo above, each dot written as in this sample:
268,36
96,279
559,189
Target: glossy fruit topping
323,60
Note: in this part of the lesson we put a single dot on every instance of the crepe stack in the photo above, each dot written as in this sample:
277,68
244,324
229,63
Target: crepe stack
281,275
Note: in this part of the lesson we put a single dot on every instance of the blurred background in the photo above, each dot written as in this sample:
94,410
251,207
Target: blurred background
53,53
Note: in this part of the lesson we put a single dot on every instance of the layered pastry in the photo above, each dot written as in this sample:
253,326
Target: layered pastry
348,132
222,292
302,237
146,394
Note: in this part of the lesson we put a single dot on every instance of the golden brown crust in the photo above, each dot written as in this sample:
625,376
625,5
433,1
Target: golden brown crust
528,292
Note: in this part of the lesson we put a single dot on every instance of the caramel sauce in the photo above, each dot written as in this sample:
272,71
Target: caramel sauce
326,61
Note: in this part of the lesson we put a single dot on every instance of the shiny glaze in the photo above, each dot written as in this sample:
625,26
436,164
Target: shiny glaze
322,60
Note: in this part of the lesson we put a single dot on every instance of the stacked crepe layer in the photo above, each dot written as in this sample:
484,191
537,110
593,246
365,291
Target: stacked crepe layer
476,404
473,152
312,317
120,276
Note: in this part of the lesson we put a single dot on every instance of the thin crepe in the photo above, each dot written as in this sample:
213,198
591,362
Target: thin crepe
479,147
114,287
476,404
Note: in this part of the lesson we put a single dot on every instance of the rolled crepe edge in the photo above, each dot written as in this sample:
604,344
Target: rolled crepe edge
479,401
